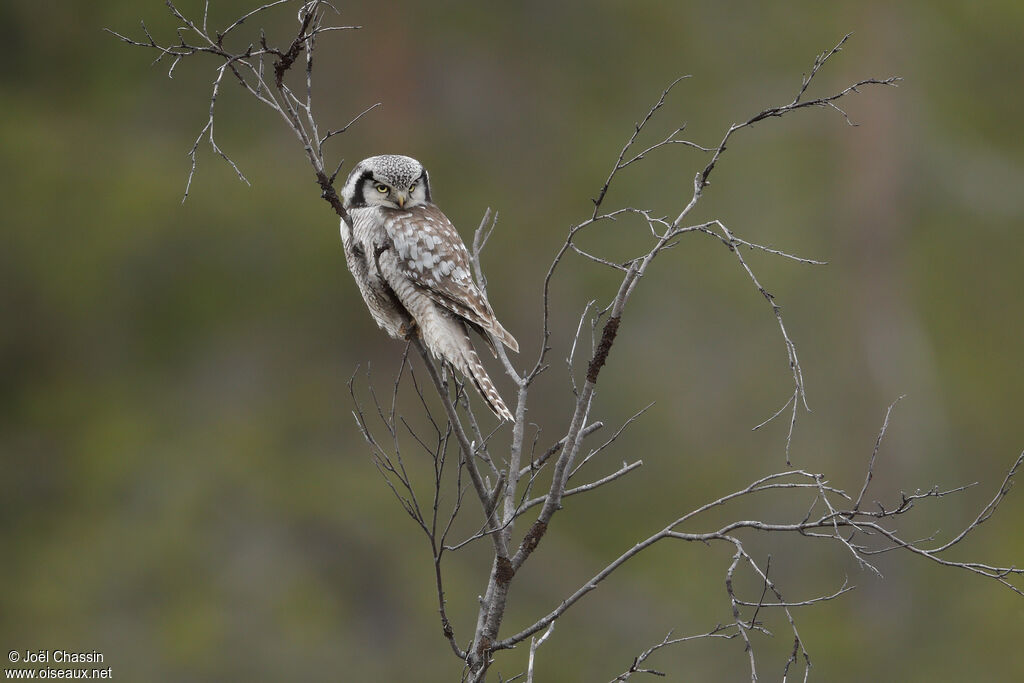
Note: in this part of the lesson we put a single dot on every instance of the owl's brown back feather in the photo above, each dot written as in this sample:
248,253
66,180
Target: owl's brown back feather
432,255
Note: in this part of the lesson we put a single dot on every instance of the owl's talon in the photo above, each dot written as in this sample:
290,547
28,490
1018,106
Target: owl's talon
382,247
408,330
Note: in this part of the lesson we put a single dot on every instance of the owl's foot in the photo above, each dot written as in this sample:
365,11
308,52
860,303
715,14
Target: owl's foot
382,247
408,330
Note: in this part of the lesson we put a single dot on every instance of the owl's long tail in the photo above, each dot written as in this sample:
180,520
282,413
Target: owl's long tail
449,339
475,371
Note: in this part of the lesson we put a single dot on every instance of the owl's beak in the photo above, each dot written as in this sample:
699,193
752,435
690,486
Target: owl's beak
400,198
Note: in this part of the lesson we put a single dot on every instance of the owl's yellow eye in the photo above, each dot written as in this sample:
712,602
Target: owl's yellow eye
412,187
382,189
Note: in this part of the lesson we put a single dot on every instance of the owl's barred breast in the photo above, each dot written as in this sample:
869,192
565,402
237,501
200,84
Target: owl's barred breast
362,251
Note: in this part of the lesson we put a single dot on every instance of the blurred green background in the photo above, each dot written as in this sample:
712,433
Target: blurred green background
184,489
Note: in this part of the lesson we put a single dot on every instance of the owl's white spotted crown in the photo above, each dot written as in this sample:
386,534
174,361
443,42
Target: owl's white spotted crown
394,169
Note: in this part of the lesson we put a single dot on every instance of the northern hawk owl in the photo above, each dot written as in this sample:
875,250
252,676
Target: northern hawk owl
413,269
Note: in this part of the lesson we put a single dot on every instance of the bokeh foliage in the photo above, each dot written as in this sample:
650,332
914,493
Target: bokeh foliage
184,487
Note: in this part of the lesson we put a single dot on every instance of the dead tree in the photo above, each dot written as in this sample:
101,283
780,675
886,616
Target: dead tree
503,471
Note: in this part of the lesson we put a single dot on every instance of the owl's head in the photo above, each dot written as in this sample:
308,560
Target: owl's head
389,180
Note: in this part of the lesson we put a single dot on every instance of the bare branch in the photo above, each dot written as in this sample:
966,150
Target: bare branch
534,644
542,460
718,631
625,469
794,105
613,438
221,35
331,133
989,510
874,453
619,165
866,523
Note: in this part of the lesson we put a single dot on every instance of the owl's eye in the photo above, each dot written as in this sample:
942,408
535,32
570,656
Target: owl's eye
382,189
412,187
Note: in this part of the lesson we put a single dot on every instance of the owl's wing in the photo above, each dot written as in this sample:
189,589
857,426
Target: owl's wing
431,254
